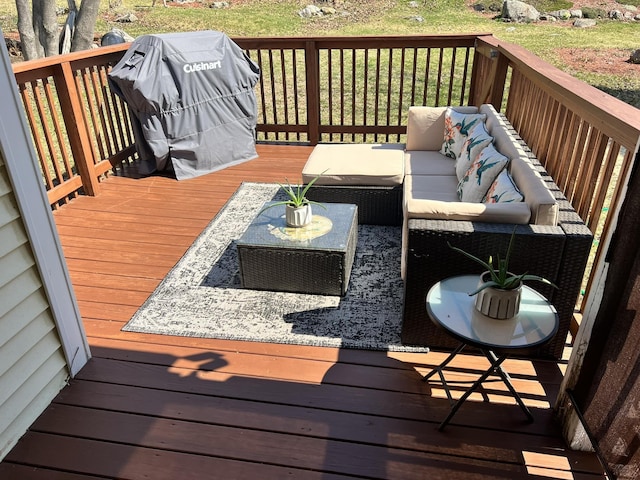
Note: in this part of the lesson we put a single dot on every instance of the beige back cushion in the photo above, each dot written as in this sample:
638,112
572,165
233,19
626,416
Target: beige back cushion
425,126
543,205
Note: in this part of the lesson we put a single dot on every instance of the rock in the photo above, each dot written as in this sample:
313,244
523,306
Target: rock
616,15
128,18
628,16
413,5
635,57
478,7
310,11
516,11
584,23
561,14
219,5
588,12
575,13
328,11
630,8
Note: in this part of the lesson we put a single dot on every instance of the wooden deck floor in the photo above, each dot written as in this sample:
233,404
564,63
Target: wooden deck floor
161,407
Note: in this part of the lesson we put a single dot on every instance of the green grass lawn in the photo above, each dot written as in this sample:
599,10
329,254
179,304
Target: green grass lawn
378,17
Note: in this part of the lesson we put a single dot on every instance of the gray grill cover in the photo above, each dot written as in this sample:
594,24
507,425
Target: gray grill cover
191,100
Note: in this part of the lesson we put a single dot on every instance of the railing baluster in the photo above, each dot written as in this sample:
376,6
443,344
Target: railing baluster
296,92
354,89
401,106
40,149
46,128
389,89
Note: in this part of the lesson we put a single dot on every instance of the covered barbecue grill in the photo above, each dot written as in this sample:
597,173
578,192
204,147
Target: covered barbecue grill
191,100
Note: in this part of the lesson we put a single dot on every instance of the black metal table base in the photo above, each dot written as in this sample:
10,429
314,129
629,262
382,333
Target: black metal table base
495,368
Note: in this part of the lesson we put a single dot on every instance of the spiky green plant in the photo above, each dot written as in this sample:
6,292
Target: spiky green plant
501,277
297,195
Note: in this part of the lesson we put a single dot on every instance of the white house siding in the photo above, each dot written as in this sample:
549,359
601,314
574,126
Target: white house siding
33,368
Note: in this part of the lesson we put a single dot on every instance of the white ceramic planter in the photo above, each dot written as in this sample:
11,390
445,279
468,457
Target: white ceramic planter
298,216
498,303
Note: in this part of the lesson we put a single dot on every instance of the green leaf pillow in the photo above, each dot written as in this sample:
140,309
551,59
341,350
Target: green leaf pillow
475,183
475,142
503,189
456,128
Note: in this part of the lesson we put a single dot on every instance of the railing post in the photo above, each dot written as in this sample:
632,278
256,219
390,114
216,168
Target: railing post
490,88
312,60
74,120
498,79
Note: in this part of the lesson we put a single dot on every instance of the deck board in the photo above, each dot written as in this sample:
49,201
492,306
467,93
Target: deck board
167,407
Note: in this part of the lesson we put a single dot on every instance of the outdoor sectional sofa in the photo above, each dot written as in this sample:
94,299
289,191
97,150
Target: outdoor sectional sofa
416,185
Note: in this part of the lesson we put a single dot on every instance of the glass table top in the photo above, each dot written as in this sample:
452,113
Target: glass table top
450,306
328,230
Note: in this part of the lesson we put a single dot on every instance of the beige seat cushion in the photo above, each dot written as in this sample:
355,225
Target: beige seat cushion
434,197
371,164
423,162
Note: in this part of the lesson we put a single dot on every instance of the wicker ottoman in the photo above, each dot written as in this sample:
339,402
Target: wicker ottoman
316,259
369,175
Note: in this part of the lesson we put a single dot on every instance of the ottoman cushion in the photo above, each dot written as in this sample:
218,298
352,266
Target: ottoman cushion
371,164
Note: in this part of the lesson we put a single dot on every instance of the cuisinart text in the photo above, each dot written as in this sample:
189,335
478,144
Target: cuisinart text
200,66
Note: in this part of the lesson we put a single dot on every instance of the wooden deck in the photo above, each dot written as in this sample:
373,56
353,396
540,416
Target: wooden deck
161,407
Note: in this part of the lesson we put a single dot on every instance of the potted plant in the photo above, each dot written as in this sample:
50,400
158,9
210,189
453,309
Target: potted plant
297,207
499,290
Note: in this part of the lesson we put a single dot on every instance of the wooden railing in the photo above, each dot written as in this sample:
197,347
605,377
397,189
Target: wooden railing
355,89
585,139
310,90
348,89
80,129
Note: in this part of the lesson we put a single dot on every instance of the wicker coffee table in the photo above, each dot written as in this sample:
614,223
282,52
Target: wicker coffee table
315,259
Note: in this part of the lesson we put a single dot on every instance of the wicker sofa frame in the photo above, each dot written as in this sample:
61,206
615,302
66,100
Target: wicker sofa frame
559,253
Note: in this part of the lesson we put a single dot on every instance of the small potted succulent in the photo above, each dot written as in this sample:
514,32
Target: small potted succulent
499,290
297,207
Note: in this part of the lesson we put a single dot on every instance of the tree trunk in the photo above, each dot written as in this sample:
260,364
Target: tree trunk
45,23
85,25
30,48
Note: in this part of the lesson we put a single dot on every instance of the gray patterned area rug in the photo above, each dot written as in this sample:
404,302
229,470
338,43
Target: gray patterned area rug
202,297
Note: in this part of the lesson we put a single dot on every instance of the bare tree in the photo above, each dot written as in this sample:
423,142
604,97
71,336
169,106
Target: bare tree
84,24
41,35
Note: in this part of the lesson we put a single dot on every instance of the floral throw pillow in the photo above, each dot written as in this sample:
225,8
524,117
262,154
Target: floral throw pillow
503,189
456,128
475,183
475,142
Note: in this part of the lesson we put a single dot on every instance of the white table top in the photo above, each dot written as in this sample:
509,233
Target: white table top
450,306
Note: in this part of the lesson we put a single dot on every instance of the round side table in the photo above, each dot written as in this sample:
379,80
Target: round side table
451,308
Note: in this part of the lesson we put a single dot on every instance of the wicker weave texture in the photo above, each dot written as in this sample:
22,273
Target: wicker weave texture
430,259
319,272
376,205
